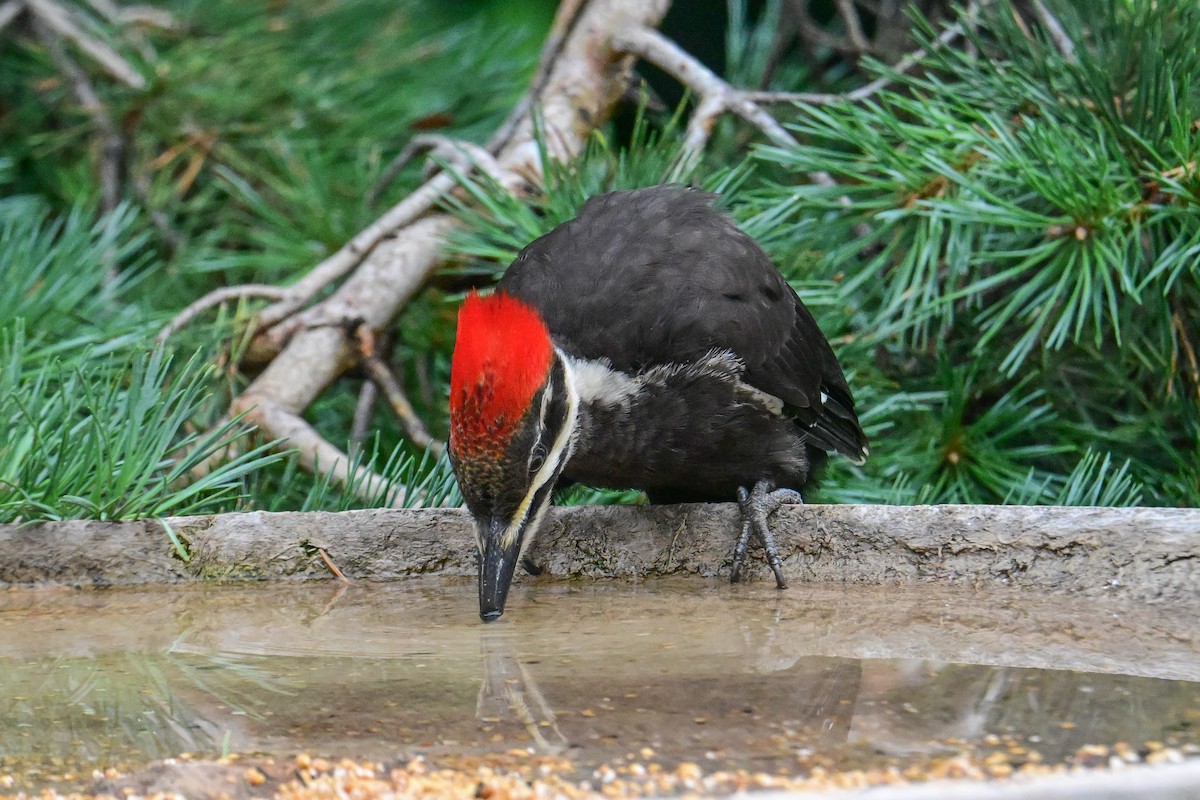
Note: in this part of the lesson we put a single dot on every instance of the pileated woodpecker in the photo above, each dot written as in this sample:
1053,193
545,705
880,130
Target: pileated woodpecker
650,344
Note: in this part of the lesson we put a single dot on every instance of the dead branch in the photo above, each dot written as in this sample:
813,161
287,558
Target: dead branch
568,13
388,262
60,20
216,298
583,71
364,408
1057,33
112,143
716,96
854,30
420,202
316,454
10,10
383,378
352,253
867,90
423,199
466,156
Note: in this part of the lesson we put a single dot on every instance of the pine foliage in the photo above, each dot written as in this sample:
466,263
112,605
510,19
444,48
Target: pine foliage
250,159
1006,260
1017,232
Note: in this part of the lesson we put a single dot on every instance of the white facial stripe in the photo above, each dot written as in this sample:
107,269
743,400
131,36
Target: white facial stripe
564,444
534,526
546,396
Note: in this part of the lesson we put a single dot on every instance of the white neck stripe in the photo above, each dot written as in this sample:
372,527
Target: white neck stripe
564,445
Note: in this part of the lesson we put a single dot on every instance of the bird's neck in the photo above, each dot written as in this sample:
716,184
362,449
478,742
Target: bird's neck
597,395
611,413
603,390
597,385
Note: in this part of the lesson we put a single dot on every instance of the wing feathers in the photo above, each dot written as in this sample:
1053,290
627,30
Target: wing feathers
658,276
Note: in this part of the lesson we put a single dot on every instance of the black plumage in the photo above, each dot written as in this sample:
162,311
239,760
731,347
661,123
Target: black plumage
649,344
657,279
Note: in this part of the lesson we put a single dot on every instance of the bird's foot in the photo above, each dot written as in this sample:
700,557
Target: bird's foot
756,505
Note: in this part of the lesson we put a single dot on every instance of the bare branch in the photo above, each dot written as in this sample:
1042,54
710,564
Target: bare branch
463,154
805,98
685,68
699,130
420,201
352,253
60,20
1057,33
853,24
124,15
867,90
10,10
390,260
364,409
811,34
216,298
112,143
565,17
316,351
315,452
716,95
382,377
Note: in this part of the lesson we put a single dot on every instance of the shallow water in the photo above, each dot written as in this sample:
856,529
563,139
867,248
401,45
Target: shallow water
729,676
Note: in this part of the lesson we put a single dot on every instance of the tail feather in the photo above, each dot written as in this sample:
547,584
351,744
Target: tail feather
837,429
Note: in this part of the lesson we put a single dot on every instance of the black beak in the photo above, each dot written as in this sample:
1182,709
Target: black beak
496,566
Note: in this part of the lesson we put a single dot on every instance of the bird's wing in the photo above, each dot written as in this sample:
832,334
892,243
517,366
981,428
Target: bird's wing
658,276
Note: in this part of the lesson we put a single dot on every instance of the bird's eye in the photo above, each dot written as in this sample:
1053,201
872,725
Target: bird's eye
537,458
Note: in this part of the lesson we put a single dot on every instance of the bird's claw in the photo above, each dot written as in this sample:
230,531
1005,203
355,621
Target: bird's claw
756,506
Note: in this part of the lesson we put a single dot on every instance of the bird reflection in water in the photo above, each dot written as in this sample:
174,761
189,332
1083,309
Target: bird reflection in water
809,698
510,690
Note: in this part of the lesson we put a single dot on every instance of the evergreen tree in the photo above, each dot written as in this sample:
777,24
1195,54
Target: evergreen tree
1005,254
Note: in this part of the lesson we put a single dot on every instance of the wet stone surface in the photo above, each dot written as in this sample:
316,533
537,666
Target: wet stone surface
603,674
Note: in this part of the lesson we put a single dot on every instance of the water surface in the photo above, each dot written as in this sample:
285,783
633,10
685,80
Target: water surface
602,672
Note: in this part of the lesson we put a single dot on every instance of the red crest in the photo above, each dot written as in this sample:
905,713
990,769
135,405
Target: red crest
502,356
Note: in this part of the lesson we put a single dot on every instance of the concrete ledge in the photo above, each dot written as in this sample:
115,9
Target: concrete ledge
1148,554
